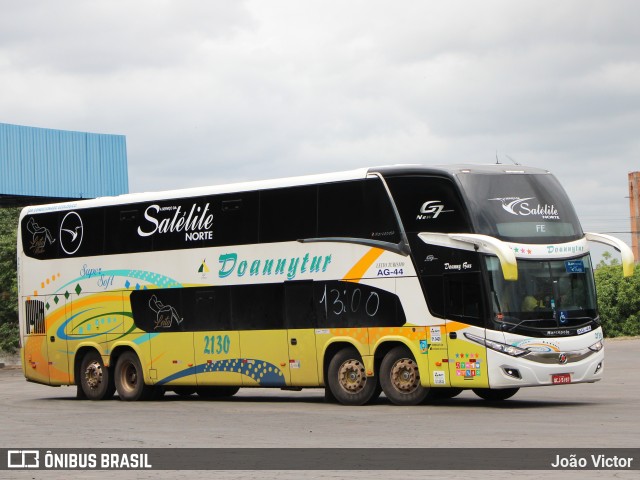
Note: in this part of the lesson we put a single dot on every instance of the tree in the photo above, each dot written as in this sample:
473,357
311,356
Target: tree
8,279
618,298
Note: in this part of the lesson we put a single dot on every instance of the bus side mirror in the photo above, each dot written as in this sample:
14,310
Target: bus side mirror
626,253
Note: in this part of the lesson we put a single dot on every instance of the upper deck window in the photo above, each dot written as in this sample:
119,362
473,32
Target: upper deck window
429,204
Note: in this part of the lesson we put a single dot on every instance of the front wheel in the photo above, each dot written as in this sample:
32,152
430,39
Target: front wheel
495,394
400,378
95,379
347,379
129,379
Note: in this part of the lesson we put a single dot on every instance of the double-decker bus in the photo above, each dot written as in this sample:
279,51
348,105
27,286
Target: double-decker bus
417,281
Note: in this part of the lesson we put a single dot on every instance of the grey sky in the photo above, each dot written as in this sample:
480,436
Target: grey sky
210,92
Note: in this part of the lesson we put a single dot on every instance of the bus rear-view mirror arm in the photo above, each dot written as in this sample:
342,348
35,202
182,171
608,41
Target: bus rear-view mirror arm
401,248
626,252
480,243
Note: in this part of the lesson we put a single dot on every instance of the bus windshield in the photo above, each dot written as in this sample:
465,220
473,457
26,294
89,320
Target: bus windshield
549,294
530,208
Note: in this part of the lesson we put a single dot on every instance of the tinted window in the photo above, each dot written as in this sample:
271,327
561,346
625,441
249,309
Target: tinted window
212,308
518,207
257,307
75,233
288,214
358,209
303,304
429,204
300,309
121,235
236,219
464,298
160,310
353,305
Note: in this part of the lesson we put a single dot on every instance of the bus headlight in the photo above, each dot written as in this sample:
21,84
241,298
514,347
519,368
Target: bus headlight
596,347
497,346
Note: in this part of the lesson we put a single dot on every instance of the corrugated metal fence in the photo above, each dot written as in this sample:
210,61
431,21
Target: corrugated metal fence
58,163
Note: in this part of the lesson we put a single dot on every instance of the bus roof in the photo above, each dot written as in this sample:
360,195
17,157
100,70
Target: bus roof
390,170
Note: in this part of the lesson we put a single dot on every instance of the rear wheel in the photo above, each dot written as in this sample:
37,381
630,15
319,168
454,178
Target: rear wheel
348,381
217,392
95,379
400,378
495,394
129,379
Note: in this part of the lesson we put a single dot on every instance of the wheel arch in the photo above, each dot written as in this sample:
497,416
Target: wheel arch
81,351
329,351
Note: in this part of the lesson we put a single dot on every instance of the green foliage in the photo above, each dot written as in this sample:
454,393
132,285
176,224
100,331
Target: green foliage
8,279
9,337
618,298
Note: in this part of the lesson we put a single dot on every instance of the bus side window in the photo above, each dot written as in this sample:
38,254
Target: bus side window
122,232
212,309
300,310
288,214
341,210
257,307
236,218
463,298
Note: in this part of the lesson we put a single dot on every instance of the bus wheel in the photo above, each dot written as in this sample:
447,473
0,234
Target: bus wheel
400,378
348,379
129,378
216,392
95,379
495,394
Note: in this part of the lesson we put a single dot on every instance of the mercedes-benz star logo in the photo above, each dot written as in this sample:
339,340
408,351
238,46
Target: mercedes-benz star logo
71,231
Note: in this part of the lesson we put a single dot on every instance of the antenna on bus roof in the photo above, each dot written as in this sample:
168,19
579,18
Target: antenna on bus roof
497,161
514,162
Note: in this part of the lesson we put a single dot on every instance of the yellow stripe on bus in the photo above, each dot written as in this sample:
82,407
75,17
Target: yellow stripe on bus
361,267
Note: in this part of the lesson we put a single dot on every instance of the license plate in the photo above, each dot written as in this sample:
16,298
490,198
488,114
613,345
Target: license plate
561,378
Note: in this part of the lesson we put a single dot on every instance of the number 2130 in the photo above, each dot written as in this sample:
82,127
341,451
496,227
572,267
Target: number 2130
217,344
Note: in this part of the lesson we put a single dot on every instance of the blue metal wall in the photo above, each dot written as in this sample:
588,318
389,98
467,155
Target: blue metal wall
57,163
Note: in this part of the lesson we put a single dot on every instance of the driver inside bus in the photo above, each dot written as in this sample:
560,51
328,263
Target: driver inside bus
531,303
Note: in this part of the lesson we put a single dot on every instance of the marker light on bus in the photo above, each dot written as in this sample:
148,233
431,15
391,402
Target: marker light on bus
497,346
596,347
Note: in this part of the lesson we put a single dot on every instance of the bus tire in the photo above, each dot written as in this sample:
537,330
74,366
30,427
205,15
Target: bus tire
95,378
495,394
347,378
400,377
129,379
217,392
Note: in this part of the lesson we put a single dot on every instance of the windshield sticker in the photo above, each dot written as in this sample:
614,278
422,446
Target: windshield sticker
574,266
523,207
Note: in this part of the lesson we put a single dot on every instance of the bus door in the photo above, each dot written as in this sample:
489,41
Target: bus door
464,311
36,355
300,321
